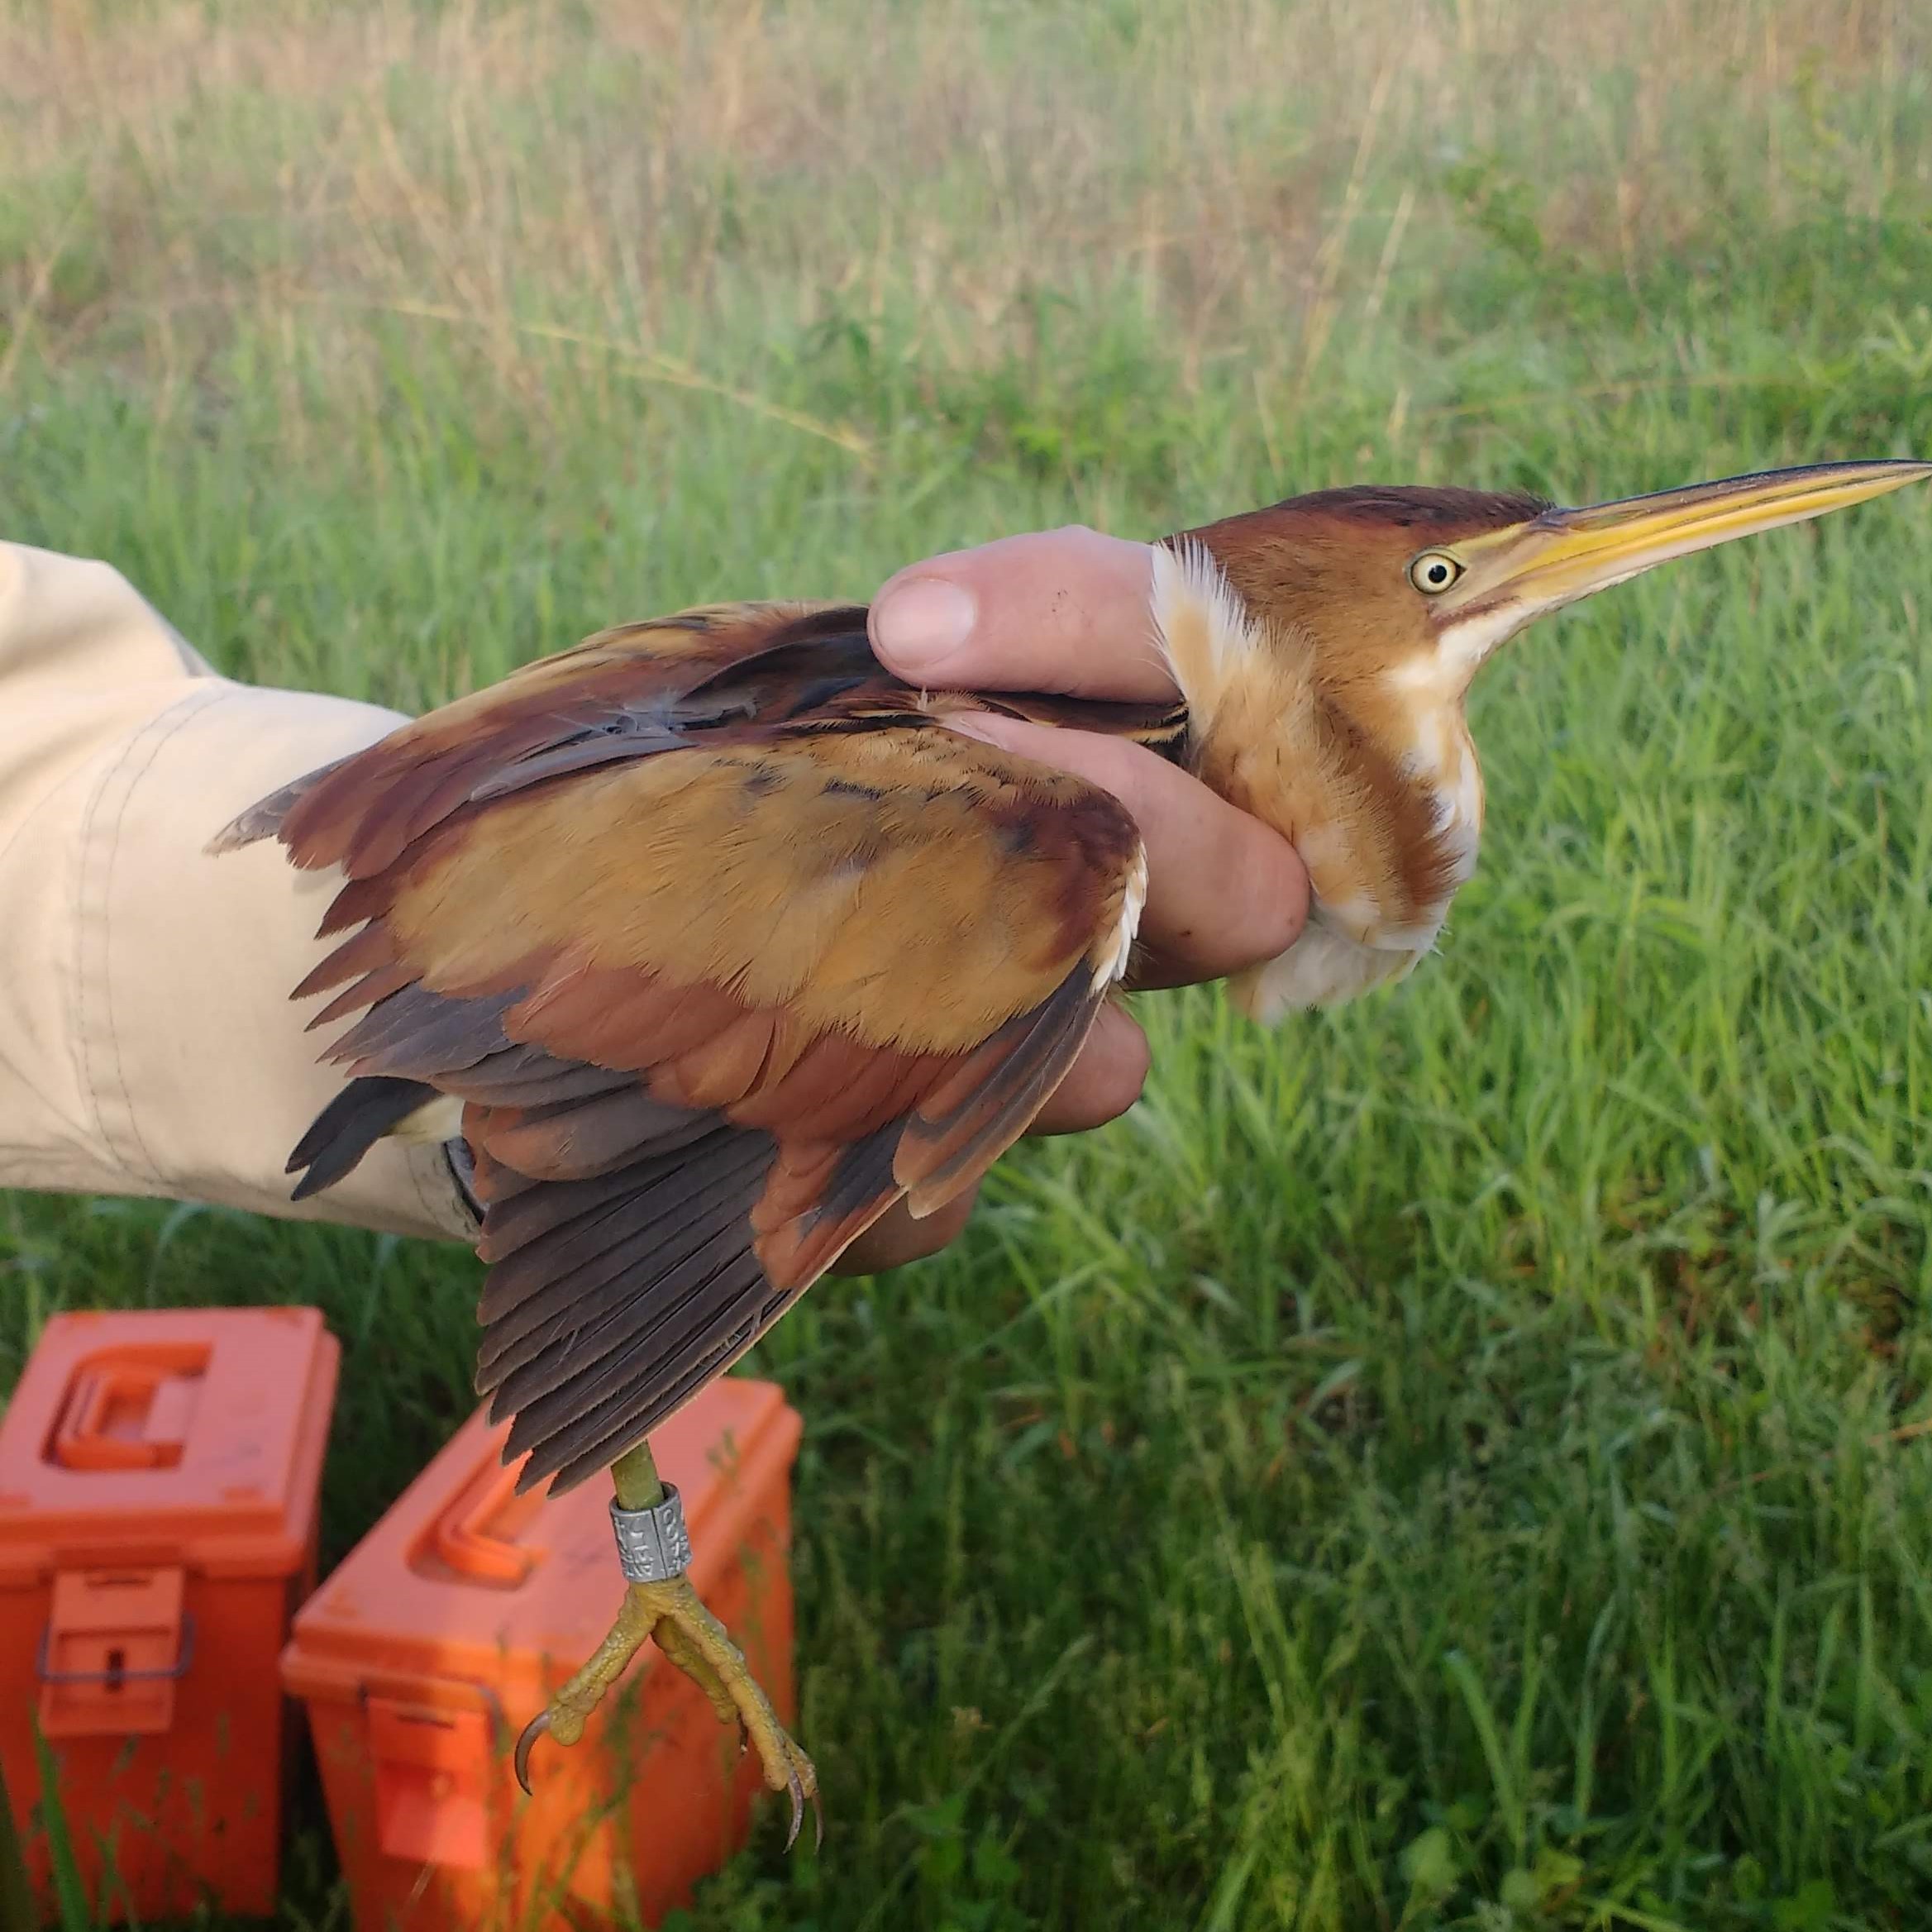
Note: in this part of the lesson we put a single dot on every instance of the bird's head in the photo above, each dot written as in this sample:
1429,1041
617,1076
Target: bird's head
1325,646
1418,587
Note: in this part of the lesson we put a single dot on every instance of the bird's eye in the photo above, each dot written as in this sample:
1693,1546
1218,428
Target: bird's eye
1433,572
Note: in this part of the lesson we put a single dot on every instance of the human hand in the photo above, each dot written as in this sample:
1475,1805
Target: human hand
1067,611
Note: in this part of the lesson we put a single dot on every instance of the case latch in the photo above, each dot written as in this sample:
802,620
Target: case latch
116,1642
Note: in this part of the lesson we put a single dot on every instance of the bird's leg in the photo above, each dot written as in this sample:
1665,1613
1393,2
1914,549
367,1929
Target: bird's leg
660,1602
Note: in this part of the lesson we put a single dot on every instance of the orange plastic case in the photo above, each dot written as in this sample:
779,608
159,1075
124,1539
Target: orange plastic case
449,1624
158,1473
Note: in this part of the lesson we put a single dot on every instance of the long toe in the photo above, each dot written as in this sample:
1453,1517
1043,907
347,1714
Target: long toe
563,1719
689,1635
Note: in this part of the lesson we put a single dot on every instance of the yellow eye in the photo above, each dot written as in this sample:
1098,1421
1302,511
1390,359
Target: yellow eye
1433,572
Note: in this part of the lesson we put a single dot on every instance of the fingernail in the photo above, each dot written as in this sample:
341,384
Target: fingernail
921,622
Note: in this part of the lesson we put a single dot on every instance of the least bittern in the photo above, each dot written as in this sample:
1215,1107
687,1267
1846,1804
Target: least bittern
713,943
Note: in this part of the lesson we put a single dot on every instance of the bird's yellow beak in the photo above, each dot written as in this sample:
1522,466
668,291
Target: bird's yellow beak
1564,555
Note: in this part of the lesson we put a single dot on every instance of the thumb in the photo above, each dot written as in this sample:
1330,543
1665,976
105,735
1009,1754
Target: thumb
1056,610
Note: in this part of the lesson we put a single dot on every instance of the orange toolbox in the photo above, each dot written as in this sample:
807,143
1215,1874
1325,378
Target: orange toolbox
159,1472
448,1626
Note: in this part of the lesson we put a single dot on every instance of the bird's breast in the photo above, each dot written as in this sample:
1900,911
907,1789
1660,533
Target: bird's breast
1384,860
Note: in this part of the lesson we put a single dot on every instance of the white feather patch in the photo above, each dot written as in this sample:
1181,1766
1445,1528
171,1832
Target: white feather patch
1463,648
1457,797
1322,968
1202,626
1114,965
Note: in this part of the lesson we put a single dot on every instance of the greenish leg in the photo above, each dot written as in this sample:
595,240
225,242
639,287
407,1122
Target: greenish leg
634,1476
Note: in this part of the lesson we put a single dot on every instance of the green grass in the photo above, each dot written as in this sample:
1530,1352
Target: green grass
1447,1464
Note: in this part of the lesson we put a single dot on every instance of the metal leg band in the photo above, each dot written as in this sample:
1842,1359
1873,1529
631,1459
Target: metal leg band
652,1544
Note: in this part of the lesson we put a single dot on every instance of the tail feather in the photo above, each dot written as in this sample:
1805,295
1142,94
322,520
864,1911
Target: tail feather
364,1112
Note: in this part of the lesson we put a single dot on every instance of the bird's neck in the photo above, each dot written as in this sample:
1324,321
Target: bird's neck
1376,782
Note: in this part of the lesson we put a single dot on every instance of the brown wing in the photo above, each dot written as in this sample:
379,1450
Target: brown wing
725,948
725,670
624,693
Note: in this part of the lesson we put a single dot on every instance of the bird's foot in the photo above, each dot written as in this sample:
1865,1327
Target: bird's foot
697,1643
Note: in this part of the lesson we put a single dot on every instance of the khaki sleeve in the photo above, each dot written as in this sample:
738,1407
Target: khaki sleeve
147,1043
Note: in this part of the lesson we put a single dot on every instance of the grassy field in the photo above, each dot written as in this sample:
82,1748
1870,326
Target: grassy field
1457,1463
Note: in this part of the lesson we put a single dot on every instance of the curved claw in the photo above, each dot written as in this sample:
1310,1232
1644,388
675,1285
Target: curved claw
535,1729
795,1786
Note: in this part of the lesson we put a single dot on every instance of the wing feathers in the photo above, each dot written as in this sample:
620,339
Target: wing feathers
539,1279
350,1126
577,1138
372,988
527,1076
420,1033
725,949
938,1156
264,819
366,812
573,1345
363,951
720,1275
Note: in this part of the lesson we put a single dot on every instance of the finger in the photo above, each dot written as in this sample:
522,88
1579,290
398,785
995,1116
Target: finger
1056,610
895,1238
1223,891
1104,1081
1101,1085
